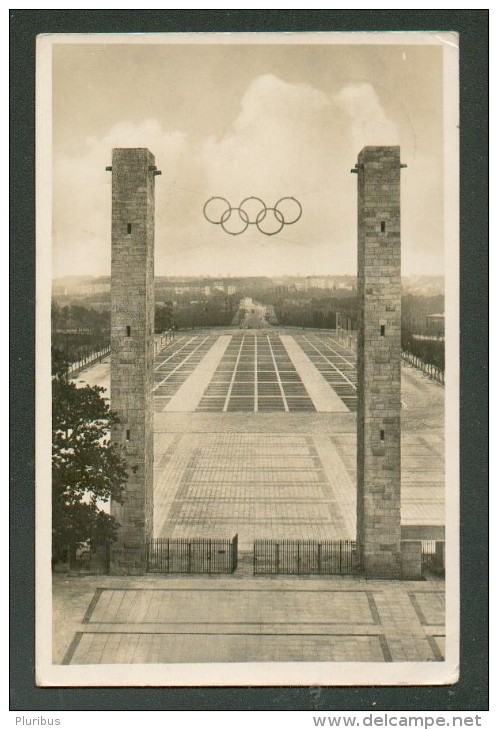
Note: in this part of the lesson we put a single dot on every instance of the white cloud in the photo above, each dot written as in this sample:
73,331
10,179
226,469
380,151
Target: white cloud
82,193
271,148
287,140
369,123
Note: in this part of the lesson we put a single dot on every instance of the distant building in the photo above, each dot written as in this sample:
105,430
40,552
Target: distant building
81,286
97,287
435,325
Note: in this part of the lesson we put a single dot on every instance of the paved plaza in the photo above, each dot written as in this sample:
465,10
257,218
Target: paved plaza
255,434
169,619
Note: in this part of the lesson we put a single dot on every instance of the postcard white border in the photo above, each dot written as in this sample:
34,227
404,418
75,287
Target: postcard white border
242,674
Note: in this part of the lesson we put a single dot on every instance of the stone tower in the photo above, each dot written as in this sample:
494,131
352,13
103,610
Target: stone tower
132,349
379,362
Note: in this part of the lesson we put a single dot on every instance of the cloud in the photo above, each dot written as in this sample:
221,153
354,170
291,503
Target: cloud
82,193
271,148
287,139
368,121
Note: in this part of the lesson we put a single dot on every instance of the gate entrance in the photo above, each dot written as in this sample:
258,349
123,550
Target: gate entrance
378,386
190,555
305,557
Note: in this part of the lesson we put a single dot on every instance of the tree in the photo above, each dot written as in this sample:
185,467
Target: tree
87,469
163,317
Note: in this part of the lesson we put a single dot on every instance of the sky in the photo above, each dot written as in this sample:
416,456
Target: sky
238,120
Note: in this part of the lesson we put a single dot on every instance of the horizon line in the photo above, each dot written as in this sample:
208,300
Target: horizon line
245,276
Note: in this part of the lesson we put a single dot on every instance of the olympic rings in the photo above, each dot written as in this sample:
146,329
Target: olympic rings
278,217
252,211
242,216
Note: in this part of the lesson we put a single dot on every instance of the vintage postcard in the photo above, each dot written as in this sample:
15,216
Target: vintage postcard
247,359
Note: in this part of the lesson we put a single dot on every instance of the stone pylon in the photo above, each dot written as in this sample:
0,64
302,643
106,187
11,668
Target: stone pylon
132,349
379,362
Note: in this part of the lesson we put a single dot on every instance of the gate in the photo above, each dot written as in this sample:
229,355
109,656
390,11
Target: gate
305,557
191,555
433,557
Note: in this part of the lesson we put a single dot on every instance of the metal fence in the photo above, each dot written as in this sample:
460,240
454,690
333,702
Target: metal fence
433,371
88,360
191,555
163,340
305,557
433,557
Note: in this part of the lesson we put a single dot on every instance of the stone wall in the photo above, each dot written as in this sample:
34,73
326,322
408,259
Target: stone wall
379,362
132,349
411,559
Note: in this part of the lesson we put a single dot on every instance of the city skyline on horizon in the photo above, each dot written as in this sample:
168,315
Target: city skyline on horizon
220,275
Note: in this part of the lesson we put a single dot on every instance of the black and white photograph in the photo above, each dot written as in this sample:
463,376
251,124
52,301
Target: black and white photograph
247,395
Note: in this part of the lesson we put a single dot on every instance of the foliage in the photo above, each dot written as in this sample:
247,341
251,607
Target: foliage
429,351
79,331
299,309
163,317
217,310
87,470
414,311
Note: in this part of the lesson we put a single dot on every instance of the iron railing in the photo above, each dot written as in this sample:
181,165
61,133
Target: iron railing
191,555
305,557
433,371
85,362
433,558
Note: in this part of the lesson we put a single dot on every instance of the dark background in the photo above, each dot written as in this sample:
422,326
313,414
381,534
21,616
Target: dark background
471,692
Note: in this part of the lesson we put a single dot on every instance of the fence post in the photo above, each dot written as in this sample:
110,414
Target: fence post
235,548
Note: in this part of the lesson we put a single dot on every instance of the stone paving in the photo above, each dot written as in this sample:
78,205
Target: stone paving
190,392
256,374
268,483
325,398
334,362
273,485
176,363
275,473
233,455
173,619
